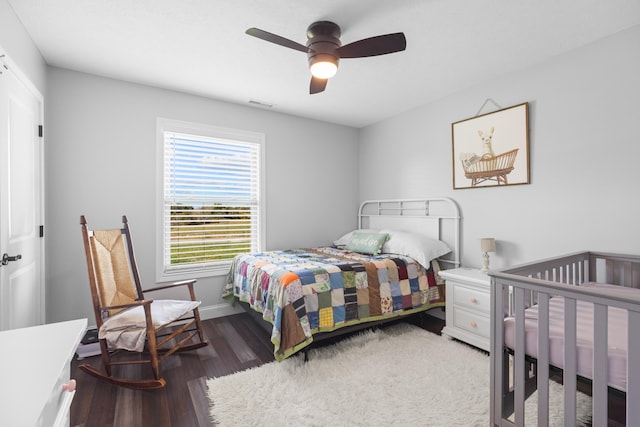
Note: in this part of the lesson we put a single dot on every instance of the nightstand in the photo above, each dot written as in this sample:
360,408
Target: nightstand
468,306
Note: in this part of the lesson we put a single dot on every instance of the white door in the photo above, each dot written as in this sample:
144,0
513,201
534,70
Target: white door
21,247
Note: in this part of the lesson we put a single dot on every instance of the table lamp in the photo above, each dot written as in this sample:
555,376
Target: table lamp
487,244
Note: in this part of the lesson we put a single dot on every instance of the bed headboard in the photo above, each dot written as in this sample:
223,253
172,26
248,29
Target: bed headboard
436,217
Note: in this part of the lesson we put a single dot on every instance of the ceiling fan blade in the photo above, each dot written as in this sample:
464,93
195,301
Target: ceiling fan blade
378,45
317,85
274,38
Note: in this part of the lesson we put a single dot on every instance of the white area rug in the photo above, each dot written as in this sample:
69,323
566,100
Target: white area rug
400,376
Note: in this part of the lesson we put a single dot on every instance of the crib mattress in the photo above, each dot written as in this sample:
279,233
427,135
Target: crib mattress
617,335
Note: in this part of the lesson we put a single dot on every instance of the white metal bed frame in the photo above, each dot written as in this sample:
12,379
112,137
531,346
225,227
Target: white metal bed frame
435,217
515,289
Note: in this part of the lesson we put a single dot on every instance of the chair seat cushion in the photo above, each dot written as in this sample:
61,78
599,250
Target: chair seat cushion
127,330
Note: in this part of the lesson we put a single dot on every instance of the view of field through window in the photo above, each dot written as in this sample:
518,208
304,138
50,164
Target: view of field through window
209,233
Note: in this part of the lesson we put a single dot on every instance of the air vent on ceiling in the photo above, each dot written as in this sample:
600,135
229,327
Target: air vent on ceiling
260,103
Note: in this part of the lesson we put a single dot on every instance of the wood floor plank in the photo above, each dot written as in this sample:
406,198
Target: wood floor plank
198,392
242,351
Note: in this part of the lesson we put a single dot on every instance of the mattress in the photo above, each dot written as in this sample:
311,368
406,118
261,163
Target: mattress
617,335
302,292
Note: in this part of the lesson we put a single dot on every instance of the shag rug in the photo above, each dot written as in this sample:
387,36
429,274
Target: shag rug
400,375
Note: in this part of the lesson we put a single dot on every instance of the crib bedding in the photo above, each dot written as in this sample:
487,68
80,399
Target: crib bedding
617,335
302,292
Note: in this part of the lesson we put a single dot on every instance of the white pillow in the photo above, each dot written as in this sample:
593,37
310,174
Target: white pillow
421,248
346,239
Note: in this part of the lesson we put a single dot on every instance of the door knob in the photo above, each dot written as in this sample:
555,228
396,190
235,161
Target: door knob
6,259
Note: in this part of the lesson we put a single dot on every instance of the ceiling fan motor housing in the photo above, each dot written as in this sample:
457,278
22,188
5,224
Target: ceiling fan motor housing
323,40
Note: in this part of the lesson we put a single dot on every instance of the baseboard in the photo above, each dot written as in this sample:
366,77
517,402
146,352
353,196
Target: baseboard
218,310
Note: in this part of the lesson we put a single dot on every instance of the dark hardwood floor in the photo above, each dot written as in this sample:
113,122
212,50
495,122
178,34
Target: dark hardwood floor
236,343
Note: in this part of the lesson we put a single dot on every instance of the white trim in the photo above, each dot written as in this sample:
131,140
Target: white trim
219,310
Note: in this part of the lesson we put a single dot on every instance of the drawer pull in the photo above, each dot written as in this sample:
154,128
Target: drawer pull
70,386
474,300
473,324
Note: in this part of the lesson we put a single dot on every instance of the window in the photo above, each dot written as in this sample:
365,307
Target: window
210,196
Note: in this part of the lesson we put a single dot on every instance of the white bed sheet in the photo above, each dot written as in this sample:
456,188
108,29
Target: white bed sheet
617,335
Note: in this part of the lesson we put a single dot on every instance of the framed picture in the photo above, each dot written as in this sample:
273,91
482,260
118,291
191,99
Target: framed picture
492,149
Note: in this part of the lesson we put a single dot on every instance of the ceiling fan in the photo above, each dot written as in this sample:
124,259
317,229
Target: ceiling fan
325,50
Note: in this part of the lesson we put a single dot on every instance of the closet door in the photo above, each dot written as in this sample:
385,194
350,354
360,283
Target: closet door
21,201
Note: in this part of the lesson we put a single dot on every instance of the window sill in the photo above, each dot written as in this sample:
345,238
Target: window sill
221,269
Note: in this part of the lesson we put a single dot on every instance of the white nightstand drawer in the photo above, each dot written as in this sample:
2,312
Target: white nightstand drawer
472,298
472,322
468,307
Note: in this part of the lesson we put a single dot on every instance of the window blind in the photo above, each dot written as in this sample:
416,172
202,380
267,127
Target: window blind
211,199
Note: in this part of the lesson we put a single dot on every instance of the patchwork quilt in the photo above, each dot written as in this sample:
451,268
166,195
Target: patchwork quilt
306,291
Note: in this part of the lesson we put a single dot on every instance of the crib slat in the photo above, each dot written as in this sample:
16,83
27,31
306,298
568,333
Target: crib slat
497,338
635,276
600,364
543,359
569,379
518,362
627,268
633,367
610,270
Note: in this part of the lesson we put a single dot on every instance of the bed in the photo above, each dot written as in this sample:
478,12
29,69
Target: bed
383,270
578,314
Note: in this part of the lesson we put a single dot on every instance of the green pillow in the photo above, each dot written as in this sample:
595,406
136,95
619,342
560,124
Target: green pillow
367,243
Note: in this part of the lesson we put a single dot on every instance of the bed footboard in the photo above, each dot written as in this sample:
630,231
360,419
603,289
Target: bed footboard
516,289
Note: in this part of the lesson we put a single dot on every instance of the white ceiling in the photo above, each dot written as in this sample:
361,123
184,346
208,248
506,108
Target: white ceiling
199,46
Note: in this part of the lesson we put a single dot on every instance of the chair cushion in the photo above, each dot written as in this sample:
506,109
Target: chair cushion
127,329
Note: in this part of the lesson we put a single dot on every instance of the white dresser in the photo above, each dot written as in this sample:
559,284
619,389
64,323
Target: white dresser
35,369
468,314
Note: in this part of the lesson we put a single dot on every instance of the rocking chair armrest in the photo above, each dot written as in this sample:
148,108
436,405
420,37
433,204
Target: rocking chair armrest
121,306
188,283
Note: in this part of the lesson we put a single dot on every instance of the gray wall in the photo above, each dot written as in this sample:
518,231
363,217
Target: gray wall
17,44
585,147
101,162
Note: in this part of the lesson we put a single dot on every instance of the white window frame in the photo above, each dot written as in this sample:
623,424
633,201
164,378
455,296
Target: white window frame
164,274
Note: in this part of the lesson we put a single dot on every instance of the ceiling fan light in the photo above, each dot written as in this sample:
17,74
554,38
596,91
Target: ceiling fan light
323,66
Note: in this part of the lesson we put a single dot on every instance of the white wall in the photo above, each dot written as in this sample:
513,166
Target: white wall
585,148
17,44
100,159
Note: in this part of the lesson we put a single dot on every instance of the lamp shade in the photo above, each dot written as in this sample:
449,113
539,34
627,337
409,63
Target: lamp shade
488,244
323,66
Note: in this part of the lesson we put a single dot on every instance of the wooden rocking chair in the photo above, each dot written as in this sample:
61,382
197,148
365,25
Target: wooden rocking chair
127,321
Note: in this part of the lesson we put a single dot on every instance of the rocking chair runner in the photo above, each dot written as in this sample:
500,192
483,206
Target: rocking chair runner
125,319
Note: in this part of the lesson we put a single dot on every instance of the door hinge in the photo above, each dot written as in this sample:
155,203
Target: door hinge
42,231
40,131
